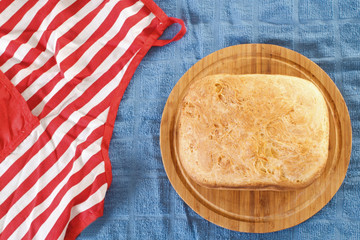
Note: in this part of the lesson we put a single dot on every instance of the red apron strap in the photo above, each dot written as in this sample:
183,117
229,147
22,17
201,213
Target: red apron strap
178,36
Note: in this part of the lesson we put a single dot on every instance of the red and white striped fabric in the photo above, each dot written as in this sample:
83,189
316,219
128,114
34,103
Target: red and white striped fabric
65,67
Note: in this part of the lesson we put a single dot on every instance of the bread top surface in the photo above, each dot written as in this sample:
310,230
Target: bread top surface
253,131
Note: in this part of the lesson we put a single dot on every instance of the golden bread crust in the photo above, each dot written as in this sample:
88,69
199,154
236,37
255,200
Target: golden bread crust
253,131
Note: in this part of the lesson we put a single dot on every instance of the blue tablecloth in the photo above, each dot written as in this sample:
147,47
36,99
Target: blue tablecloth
141,203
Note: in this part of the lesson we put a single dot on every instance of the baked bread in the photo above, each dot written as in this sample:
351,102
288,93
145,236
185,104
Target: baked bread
253,131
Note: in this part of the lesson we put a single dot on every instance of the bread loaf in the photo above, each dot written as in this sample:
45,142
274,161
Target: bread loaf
253,131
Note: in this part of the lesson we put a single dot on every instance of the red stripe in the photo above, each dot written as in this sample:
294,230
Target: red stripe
47,163
28,80
4,4
102,29
42,92
136,45
46,191
44,138
66,38
87,95
71,59
16,17
49,131
59,19
64,218
99,57
146,38
83,219
75,179
77,104
28,31
18,165
47,134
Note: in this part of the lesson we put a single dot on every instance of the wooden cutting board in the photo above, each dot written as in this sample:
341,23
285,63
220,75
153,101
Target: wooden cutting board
259,211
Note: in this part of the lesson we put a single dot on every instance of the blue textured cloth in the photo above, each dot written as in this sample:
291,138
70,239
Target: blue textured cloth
141,203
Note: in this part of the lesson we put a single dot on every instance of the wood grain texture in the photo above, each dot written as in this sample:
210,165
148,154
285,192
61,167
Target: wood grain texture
259,211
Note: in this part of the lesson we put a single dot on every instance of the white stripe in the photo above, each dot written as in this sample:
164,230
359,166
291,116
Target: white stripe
64,127
10,10
89,54
40,82
62,55
85,35
59,134
74,191
105,65
34,162
99,44
69,195
51,173
35,134
94,199
22,24
57,33
36,211
21,52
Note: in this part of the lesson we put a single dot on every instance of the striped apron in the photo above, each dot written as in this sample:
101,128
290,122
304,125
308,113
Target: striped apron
64,68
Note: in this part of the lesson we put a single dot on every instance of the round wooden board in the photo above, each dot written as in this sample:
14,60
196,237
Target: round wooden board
259,211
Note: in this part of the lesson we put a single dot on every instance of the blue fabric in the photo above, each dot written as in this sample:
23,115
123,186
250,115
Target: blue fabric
141,203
